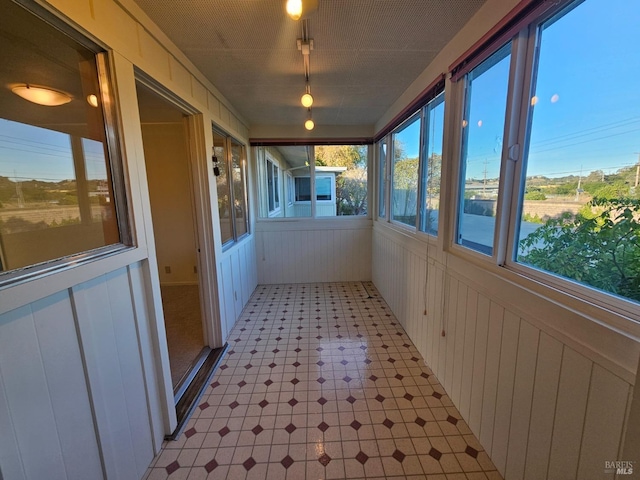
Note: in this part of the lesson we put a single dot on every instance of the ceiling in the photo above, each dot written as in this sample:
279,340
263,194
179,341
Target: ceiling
367,52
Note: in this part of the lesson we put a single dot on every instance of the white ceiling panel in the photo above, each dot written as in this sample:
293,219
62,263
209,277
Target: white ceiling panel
367,52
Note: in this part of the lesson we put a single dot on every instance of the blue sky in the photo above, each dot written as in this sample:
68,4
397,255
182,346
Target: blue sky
587,115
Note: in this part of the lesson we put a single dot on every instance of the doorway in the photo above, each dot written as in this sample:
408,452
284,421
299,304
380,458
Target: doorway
166,143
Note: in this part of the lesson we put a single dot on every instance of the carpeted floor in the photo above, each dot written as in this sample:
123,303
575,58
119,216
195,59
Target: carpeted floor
183,323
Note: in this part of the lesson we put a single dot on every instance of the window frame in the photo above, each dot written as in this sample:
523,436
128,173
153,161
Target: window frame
418,115
275,185
227,141
332,179
115,159
524,55
261,153
423,170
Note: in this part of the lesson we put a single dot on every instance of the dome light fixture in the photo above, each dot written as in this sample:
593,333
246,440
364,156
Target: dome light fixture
309,124
298,9
41,95
307,98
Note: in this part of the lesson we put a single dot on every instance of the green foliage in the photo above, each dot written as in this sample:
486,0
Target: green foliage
600,249
535,195
527,217
351,185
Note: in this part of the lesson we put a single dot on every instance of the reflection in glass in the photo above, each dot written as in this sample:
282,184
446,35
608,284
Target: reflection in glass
432,169
239,186
485,109
406,157
382,165
56,188
222,185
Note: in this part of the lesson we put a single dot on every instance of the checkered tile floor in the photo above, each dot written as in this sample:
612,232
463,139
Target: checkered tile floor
321,382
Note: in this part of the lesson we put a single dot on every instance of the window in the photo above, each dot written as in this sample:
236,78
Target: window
579,209
339,188
569,209
482,130
324,188
229,156
239,180
406,158
432,165
382,177
61,183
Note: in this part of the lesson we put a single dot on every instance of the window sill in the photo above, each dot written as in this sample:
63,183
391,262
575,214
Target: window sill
41,284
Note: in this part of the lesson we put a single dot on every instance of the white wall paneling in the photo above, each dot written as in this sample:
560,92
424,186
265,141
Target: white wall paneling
238,279
318,250
79,390
544,401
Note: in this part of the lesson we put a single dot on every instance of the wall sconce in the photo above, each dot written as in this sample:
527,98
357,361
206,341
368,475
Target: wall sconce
298,9
41,95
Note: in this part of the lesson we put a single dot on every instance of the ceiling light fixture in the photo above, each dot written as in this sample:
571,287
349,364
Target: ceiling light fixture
309,124
298,9
41,95
307,98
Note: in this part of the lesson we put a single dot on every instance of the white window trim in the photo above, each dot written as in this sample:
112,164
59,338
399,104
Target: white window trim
333,189
276,165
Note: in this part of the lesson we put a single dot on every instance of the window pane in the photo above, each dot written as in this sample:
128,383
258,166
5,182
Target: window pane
343,168
303,189
382,152
432,169
56,188
222,184
483,128
239,182
406,148
579,205
279,171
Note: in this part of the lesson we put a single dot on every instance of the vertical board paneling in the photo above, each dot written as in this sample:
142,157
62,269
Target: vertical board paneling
521,395
480,358
58,345
490,390
452,317
522,399
461,320
295,255
147,352
236,278
129,356
543,407
504,399
573,391
10,461
468,353
95,324
27,396
603,424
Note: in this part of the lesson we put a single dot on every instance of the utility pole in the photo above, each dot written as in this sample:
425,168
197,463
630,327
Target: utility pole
484,183
579,185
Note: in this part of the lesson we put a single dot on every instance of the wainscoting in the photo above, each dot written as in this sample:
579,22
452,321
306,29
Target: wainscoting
544,403
78,396
320,250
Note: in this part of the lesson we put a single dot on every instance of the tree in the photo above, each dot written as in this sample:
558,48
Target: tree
351,185
599,248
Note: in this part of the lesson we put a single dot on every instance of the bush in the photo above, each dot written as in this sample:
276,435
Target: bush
535,195
600,249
